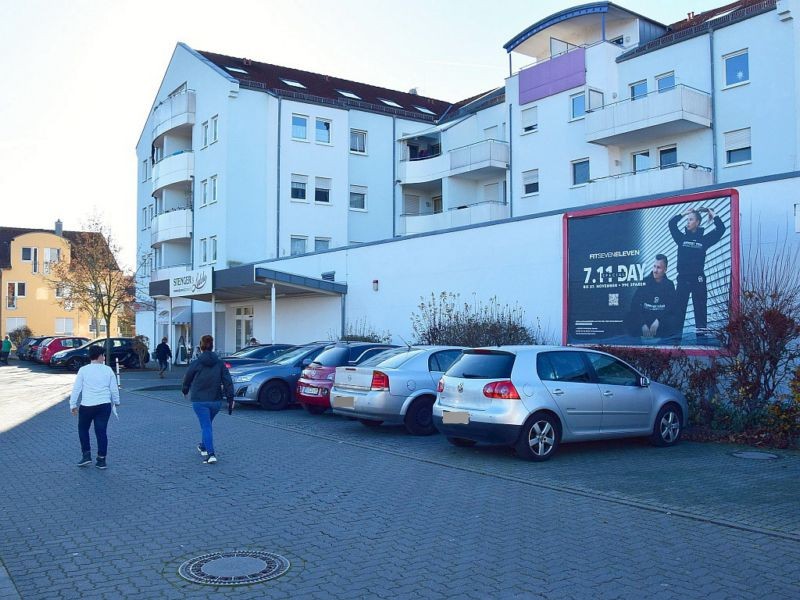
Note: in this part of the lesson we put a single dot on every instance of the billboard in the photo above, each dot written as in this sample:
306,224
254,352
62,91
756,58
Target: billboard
660,273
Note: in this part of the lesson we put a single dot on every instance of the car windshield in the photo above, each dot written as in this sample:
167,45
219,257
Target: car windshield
251,352
333,357
291,355
482,365
392,359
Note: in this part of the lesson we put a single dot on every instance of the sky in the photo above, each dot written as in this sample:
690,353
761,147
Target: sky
79,76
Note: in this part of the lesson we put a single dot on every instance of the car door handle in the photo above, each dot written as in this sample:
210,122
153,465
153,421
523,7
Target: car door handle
558,392
608,393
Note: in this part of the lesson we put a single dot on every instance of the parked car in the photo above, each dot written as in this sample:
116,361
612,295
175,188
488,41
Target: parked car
25,347
314,387
122,350
396,387
255,355
536,397
36,354
272,384
48,348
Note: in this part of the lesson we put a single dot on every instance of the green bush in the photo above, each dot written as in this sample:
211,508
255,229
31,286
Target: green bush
19,334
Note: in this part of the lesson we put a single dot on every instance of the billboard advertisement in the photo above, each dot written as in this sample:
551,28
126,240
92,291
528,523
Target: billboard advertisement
660,273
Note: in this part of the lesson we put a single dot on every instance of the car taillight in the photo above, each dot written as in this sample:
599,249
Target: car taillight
440,387
503,390
380,381
227,365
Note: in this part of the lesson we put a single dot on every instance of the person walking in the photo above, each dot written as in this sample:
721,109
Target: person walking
206,381
163,356
93,393
5,350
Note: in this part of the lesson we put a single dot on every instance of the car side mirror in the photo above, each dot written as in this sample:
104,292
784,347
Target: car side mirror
644,382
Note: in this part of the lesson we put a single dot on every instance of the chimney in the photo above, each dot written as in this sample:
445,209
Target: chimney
59,228
413,91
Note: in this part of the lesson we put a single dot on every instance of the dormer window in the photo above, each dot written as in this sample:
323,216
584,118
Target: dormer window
391,103
350,95
292,83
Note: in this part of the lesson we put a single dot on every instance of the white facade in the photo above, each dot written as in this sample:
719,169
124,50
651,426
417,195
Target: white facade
486,186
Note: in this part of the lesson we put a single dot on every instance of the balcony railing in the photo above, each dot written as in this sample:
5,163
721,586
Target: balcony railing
646,182
481,212
675,110
175,168
486,153
171,271
175,224
173,112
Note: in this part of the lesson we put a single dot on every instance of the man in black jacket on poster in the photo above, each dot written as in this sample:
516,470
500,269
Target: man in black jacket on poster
693,243
652,313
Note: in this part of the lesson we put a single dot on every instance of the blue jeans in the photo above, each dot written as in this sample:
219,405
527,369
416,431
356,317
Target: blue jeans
206,411
99,415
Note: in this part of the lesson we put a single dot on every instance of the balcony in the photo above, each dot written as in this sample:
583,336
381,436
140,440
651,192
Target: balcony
479,159
648,182
483,212
173,112
420,170
175,224
171,271
176,168
677,110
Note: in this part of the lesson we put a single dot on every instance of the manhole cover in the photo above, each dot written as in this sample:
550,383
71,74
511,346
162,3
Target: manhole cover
241,567
753,455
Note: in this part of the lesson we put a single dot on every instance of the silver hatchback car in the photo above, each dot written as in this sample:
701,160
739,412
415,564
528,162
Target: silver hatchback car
535,397
396,387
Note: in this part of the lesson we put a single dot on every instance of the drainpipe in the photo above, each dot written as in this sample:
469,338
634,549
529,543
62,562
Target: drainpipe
278,190
394,176
509,171
344,312
715,159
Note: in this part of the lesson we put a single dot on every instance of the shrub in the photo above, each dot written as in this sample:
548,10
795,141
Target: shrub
141,345
19,334
444,320
361,331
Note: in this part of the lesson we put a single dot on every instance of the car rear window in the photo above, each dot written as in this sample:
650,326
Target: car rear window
482,365
392,359
333,357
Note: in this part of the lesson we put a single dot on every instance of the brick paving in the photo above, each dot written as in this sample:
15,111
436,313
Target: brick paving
364,513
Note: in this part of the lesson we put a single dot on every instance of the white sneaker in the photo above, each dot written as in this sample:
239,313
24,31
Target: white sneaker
211,459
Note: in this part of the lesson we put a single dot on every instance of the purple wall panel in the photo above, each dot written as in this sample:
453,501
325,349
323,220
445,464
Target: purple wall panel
556,75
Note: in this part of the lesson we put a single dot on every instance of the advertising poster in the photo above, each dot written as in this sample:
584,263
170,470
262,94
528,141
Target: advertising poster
652,274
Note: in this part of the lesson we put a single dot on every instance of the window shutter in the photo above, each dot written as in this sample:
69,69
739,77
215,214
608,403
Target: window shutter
491,192
530,119
735,140
530,177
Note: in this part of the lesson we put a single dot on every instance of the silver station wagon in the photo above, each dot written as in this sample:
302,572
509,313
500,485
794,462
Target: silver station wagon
536,397
396,387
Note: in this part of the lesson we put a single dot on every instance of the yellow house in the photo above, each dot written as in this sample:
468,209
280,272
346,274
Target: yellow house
26,256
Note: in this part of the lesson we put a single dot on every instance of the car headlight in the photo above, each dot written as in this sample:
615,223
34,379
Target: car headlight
243,378
61,354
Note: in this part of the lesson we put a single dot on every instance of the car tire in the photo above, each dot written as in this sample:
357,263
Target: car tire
370,423
314,409
132,363
73,364
274,396
539,438
667,427
461,442
419,417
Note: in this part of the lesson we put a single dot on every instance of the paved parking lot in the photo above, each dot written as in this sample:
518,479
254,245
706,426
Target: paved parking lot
364,513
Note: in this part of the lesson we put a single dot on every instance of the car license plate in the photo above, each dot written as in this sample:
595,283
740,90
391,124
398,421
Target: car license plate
344,402
455,417
311,391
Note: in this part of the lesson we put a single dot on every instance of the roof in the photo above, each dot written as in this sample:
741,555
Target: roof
699,24
8,234
326,89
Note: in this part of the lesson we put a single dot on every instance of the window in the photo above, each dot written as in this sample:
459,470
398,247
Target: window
596,100
64,326
438,205
299,183
203,250
358,141
391,103
668,157
422,109
441,361
641,161
298,245
638,90
665,82
51,256
617,41
204,135
530,182
322,190
144,170
737,69
213,191
299,126
321,244
610,371
358,197
350,95
61,290
14,290
292,83
27,254
737,146
204,192
144,218
13,323
98,326
323,130
580,172
577,106
530,119
214,128
213,243
150,214
236,70
562,366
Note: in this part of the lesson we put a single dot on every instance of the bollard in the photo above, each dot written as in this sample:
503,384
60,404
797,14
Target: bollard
119,383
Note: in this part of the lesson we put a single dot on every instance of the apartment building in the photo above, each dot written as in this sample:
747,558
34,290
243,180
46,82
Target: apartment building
28,297
308,202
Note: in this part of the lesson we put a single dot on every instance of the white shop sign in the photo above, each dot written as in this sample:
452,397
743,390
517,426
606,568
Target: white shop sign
191,283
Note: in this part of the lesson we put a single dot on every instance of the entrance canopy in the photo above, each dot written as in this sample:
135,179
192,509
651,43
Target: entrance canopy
250,282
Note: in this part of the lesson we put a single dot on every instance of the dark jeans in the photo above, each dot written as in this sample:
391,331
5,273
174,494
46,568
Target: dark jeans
163,364
99,415
696,288
206,411
4,357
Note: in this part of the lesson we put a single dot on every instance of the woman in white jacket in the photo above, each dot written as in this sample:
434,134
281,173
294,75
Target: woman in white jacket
96,385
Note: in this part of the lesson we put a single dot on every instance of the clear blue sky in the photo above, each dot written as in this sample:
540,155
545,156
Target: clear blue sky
79,76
